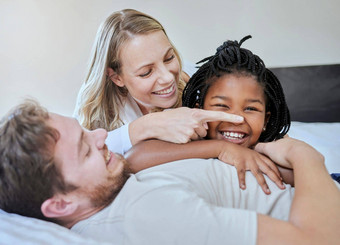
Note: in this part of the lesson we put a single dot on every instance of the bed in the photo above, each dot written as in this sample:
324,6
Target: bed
313,96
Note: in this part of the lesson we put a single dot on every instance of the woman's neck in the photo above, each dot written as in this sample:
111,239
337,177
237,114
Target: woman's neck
144,109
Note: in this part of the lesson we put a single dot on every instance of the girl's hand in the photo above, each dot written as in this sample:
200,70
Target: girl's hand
246,159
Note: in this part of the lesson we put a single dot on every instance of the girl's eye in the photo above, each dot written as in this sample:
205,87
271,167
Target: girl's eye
170,58
146,73
251,109
221,105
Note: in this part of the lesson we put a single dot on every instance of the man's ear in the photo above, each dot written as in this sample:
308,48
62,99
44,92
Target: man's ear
114,77
58,206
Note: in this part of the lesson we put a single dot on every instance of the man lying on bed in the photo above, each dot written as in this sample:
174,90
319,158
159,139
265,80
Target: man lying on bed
53,169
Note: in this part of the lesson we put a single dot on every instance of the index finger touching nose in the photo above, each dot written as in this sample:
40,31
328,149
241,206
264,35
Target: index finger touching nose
210,116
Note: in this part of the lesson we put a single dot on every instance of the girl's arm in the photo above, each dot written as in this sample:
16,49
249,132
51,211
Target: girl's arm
154,152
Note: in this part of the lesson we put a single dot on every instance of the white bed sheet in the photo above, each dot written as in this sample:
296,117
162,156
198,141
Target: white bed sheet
325,137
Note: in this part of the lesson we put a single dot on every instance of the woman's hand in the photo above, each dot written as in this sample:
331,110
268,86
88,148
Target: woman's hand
246,159
179,125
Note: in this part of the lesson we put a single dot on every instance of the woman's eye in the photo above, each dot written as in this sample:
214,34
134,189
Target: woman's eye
145,74
170,58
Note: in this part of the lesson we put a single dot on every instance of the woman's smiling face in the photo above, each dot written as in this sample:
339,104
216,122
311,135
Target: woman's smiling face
150,71
241,95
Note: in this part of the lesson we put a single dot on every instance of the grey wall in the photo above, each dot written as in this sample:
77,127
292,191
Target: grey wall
45,44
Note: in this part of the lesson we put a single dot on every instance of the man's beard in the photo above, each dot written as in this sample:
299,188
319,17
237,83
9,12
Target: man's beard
102,195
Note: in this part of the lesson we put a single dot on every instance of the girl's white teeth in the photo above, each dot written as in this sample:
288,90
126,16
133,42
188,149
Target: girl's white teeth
167,91
233,135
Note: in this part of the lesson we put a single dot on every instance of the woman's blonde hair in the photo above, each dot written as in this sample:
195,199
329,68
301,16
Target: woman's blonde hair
99,97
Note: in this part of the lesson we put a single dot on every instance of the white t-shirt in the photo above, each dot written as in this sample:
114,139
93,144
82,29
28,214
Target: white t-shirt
193,201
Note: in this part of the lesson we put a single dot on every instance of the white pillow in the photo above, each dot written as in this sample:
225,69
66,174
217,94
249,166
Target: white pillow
325,137
16,229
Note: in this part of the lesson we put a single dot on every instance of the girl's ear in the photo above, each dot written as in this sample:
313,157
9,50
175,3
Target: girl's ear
114,77
58,206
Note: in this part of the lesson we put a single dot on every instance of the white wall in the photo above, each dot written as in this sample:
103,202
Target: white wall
45,44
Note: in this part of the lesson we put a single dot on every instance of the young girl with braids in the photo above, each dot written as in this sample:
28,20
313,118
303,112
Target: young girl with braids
234,80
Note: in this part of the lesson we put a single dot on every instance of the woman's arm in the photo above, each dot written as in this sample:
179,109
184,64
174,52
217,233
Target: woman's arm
154,152
178,125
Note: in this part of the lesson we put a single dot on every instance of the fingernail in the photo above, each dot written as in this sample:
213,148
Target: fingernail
205,125
239,118
243,186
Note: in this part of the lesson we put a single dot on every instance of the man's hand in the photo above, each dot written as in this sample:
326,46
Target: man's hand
285,152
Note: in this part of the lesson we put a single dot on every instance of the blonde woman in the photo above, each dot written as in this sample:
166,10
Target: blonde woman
135,70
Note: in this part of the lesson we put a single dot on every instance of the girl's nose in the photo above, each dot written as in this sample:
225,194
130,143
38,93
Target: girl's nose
238,113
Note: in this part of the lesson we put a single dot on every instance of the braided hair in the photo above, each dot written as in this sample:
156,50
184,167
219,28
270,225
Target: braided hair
230,58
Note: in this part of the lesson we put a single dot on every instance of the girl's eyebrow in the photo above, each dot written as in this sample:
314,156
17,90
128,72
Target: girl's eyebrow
220,97
227,98
255,101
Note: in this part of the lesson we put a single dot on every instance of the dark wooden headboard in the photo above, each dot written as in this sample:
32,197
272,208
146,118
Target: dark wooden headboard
312,92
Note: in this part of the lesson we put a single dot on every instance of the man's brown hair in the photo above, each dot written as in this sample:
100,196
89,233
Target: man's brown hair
28,172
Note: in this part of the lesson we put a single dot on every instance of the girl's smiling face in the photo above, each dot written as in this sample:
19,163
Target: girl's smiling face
242,95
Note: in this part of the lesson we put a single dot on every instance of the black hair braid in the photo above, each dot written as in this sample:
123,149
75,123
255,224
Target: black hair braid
230,58
192,92
279,121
